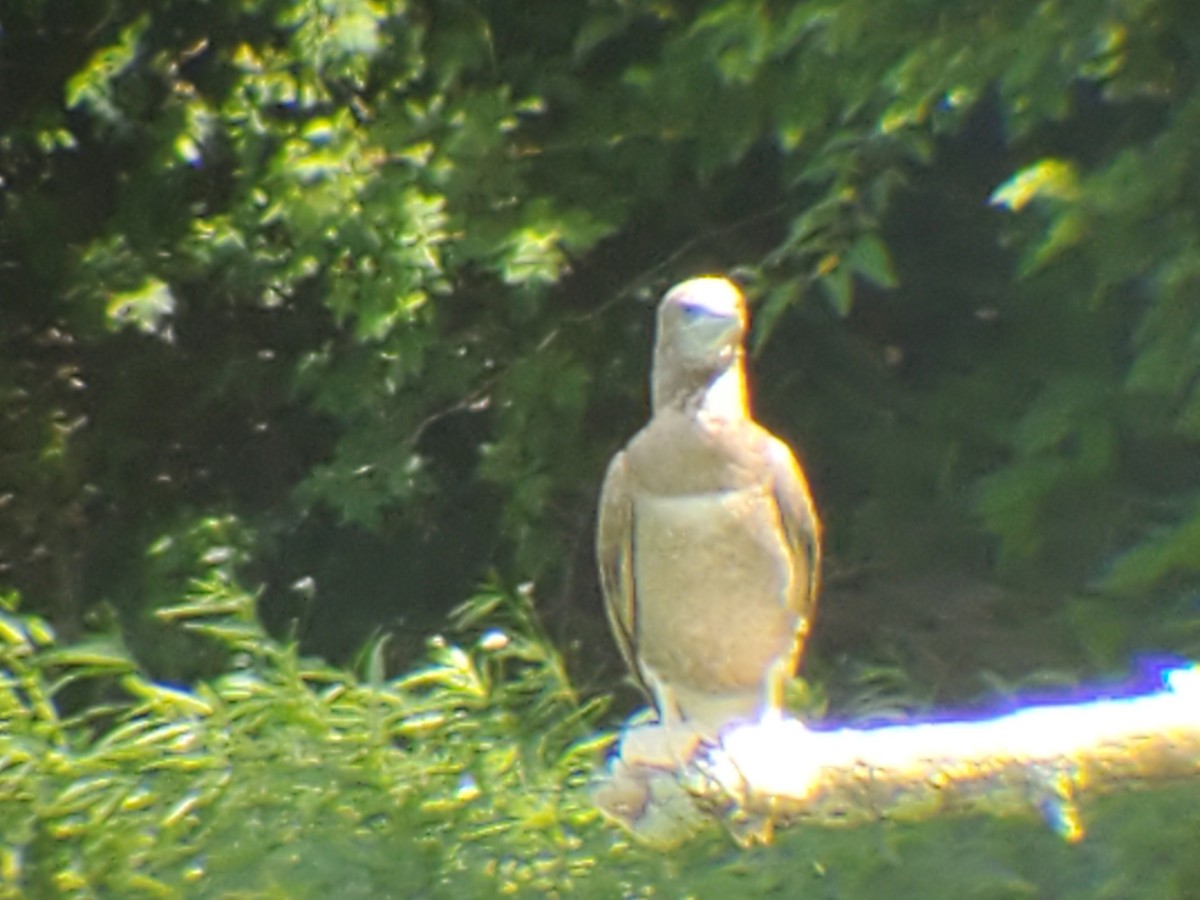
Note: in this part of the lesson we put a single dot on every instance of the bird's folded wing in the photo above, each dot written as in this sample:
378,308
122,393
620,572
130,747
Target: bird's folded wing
800,524
614,552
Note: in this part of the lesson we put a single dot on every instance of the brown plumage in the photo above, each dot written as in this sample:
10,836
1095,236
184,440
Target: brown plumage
708,543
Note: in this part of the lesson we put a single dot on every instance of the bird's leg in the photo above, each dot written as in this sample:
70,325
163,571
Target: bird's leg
679,737
775,687
668,743
642,790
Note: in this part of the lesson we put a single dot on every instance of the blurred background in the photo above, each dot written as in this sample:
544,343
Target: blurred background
358,295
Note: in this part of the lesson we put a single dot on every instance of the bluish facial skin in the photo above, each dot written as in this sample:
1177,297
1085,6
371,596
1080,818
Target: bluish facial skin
705,319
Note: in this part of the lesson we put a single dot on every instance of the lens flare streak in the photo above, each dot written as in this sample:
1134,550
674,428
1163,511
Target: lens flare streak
1034,759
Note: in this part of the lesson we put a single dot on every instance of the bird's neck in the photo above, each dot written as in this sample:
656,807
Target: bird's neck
725,396
719,395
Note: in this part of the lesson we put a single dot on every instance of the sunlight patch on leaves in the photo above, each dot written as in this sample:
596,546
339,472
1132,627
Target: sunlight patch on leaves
149,309
91,88
1053,179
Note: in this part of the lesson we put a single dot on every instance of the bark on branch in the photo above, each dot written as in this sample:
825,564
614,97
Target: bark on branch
1037,759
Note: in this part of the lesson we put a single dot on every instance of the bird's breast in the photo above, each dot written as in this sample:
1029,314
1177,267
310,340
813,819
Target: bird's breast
714,579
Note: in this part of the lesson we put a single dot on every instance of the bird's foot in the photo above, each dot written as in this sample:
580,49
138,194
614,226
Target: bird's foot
643,792
650,803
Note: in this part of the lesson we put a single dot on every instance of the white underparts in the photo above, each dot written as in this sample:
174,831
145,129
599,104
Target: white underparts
725,397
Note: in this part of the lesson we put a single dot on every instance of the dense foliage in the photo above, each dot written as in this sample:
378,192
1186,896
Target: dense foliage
350,297
466,777
358,273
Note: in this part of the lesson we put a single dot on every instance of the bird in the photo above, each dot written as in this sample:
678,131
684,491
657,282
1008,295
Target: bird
707,539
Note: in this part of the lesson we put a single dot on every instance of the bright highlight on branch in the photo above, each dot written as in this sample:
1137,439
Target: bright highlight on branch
1038,759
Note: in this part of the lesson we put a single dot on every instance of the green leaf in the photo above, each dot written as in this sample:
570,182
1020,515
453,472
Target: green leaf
91,88
1173,550
838,287
777,300
95,653
356,34
148,309
533,256
166,700
1068,229
1048,178
869,258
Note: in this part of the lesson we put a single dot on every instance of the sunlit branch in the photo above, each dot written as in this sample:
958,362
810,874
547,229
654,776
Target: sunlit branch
1038,759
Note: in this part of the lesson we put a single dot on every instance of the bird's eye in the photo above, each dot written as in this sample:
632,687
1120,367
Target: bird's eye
692,310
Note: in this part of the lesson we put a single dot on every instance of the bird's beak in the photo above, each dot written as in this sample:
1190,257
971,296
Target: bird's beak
711,333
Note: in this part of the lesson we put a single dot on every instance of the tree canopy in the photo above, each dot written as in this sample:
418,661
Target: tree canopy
359,280
348,301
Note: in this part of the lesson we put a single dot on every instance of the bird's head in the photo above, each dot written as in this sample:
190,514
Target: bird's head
701,326
702,322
